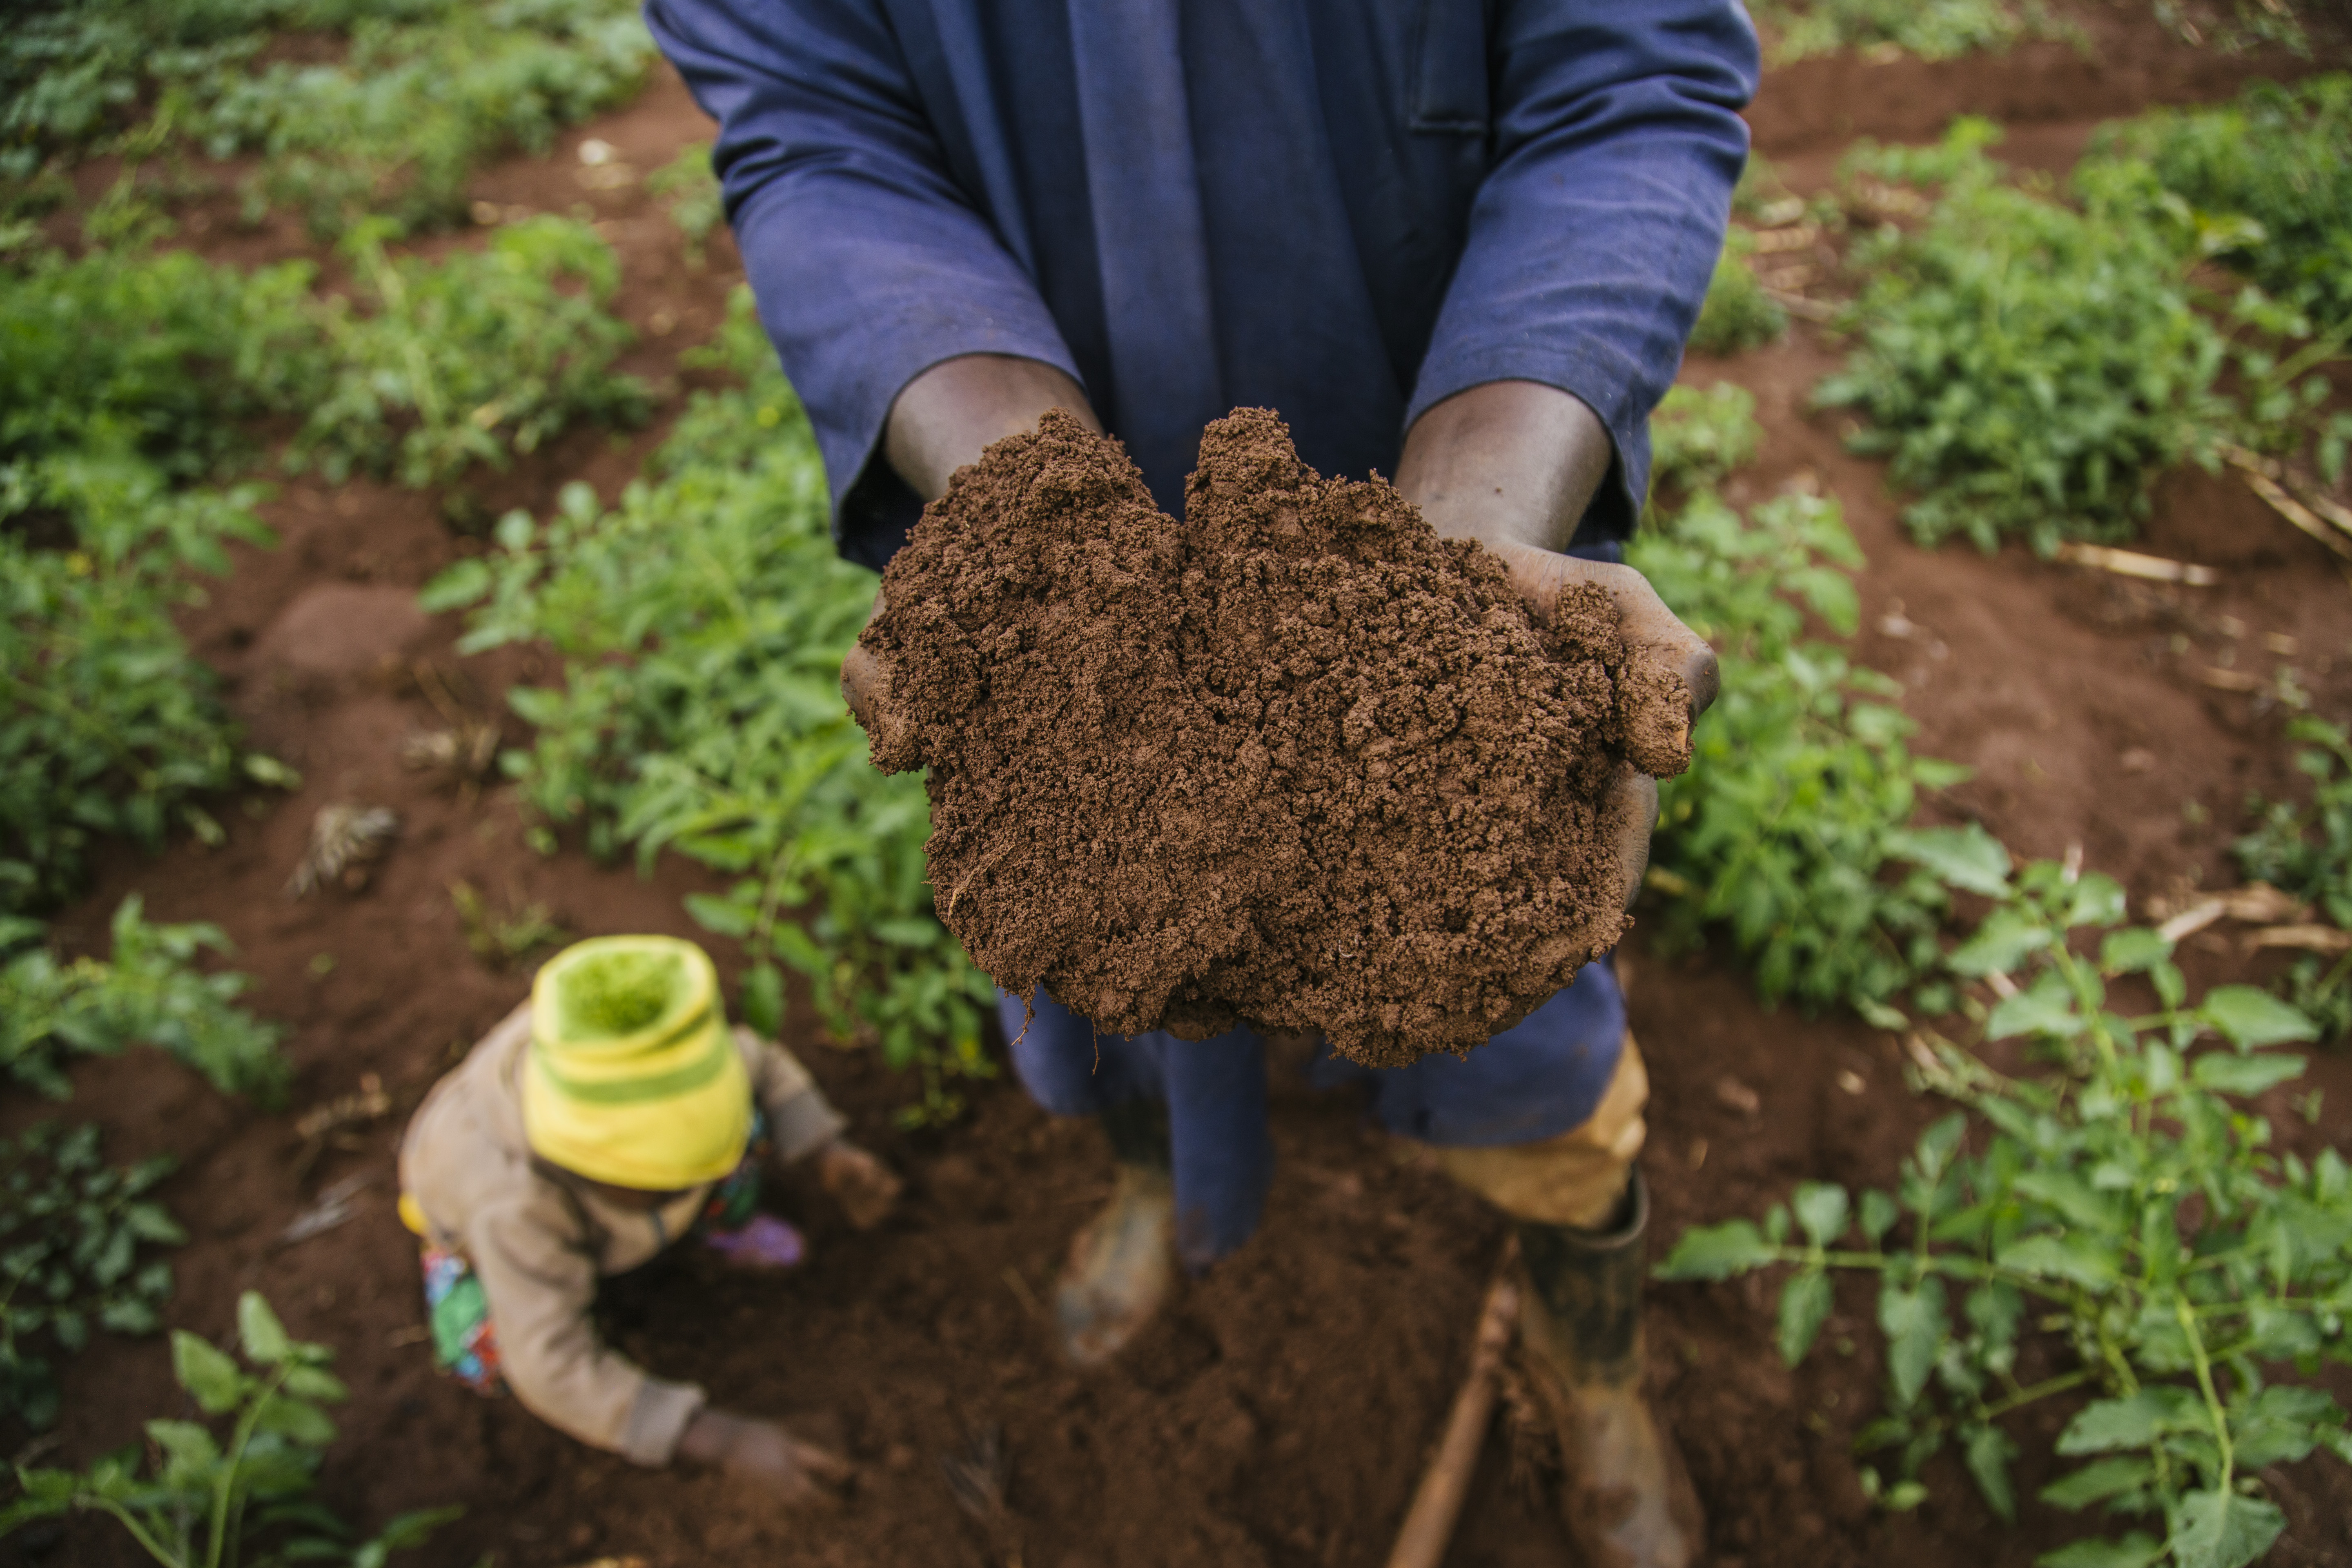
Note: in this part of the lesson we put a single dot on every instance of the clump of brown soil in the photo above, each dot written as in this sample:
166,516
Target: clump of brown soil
1296,761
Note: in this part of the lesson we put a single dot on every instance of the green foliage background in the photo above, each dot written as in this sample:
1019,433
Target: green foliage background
701,623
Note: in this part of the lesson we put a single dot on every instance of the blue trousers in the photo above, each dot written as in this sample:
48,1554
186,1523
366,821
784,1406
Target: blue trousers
1534,1081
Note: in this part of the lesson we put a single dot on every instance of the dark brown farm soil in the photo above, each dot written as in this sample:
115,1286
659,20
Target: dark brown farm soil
1296,760
1278,1415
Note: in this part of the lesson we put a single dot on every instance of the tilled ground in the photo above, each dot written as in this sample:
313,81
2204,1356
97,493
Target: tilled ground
1279,1415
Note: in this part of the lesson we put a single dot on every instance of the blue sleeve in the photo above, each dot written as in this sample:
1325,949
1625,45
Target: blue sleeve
1617,144
869,263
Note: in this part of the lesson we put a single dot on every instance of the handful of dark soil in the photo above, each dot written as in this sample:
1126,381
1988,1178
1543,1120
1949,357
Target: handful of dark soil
1296,761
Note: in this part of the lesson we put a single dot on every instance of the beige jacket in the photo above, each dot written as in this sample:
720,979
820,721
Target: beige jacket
539,1245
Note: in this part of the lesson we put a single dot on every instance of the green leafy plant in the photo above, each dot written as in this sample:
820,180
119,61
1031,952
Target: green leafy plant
701,625
2029,367
2260,187
1739,313
688,187
122,381
471,359
214,1496
148,991
152,357
72,1231
108,725
1791,827
1699,436
2275,168
2123,1210
409,98
1931,29
2307,849
2245,24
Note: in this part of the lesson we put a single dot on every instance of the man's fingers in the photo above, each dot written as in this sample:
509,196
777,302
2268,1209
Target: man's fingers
1630,813
1672,674
862,681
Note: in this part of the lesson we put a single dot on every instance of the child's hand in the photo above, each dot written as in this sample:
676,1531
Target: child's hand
863,1185
791,1470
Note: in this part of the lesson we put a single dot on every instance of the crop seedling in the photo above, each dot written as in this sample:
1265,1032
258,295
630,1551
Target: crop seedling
472,359
2122,1230
2264,187
688,188
2028,367
215,1488
120,382
1796,806
2032,366
149,991
2280,159
701,623
76,1239
419,94
2307,851
1739,313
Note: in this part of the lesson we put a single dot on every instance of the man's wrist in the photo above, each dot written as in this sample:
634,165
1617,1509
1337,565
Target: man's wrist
949,414
1506,462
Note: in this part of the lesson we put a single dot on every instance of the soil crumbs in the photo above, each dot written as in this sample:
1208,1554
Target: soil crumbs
1297,761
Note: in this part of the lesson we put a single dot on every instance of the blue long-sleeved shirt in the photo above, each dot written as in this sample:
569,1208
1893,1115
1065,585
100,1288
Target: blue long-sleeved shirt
1344,210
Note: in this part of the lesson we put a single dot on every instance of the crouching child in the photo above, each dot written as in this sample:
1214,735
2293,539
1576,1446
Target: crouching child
610,1117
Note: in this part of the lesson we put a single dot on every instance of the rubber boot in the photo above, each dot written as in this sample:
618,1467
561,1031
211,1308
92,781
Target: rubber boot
1624,1495
1122,1266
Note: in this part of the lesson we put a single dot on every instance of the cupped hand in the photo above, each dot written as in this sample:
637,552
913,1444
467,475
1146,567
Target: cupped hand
1671,677
767,1457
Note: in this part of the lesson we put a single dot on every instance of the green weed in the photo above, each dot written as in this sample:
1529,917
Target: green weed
72,1228
211,1493
701,623
2127,1205
149,991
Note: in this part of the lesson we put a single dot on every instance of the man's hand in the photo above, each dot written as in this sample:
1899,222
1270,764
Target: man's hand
763,1455
865,1187
942,420
1513,464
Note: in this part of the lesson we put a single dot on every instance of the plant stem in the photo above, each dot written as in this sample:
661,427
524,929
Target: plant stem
137,1533
226,1485
2221,1419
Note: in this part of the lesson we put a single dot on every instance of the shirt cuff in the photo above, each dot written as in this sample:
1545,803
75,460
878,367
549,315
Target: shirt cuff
658,1419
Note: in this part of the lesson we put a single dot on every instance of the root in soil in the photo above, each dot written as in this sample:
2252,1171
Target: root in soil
1297,761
